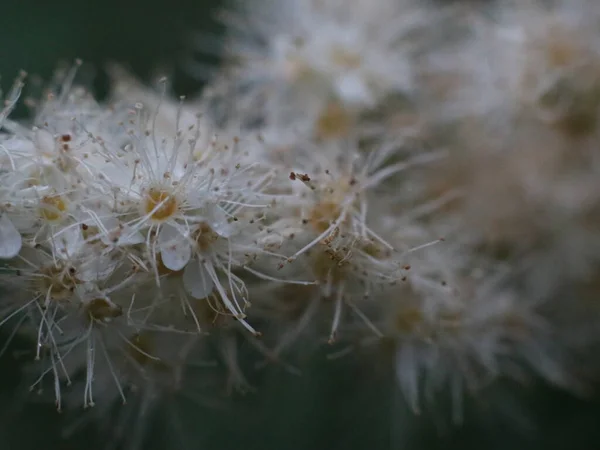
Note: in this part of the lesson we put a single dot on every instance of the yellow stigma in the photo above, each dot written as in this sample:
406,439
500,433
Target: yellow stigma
323,215
52,208
329,208
329,266
562,47
103,310
204,236
334,122
412,320
344,58
56,281
408,320
160,204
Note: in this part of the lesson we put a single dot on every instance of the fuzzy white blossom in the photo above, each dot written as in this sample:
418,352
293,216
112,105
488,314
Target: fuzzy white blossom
360,173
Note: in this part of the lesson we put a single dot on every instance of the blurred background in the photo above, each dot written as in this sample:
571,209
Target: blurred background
350,403
146,36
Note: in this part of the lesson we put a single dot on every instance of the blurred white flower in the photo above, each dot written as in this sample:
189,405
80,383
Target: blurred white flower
360,171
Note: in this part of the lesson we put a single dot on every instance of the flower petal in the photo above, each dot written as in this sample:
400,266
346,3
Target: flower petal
67,243
196,280
176,256
96,268
175,250
122,232
219,222
10,239
353,90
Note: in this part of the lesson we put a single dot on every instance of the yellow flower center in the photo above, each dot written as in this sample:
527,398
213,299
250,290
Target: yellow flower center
333,122
204,237
52,208
102,310
57,281
160,204
346,59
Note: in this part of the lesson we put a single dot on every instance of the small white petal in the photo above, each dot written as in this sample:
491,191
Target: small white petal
175,250
168,235
10,239
223,229
353,90
96,268
219,222
123,233
67,243
24,221
196,280
176,256
44,141
129,238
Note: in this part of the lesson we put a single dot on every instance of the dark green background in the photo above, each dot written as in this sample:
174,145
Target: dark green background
348,404
144,35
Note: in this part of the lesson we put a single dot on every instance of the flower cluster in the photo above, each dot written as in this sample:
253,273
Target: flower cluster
360,172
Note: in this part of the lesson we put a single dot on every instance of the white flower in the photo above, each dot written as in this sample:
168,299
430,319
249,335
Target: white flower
334,188
298,55
10,238
458,334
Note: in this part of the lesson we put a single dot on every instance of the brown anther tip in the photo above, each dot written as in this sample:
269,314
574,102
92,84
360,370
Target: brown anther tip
292,176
